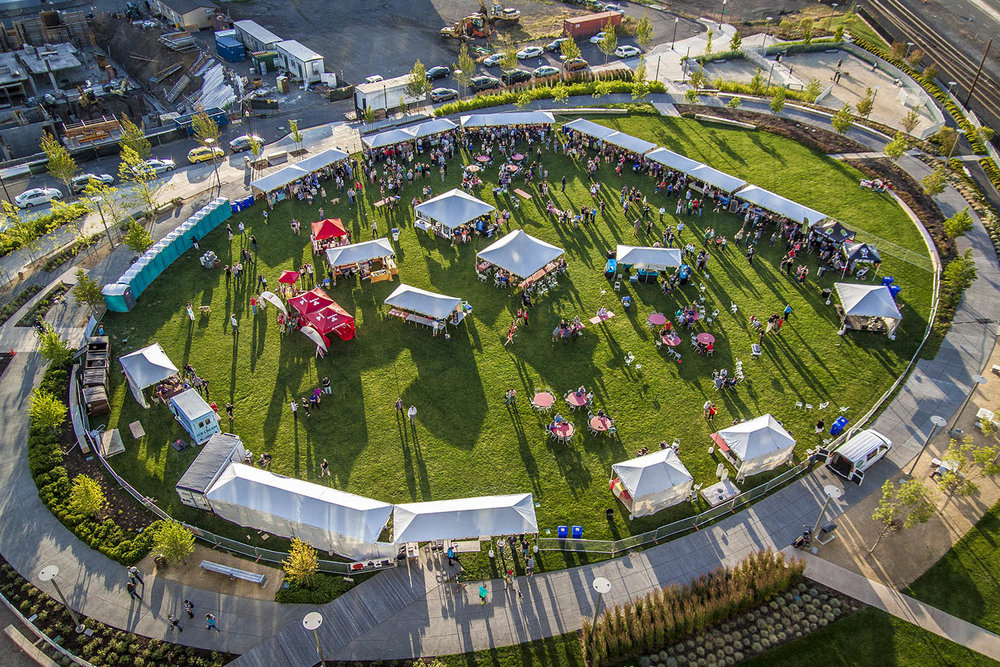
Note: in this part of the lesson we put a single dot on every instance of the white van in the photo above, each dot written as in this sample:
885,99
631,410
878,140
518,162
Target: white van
858,454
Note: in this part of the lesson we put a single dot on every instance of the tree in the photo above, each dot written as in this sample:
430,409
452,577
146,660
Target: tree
895,148
523,100
133,170
301,565
734,103
866,103
708,44
813,89
778,101
206,130
698,78
910,121
86,497
958,224
19,231
930,73
403,106
807,30
52,347
465,68
134,138
46,410
897,51
984,134
901,507
369,115
958,476
958,275
736,41
509,61
913,60
136,237
640,89
109,202
255,146
691,96
608,43
640,70
757,82
296,134
935,182
173,541
570,50
60,163
644,31
838,34
842,120
560,92
417,85
87,290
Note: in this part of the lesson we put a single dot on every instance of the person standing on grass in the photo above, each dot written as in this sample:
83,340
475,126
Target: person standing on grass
294,405
305,407
235,325
326,385
412,414
324,469
229,412
788,312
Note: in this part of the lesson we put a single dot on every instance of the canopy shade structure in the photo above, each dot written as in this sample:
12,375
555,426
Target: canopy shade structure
717,179
507,118
326,518
659,259
655,481
323,313
453,208
388,138
328,229
672,160
862,252
356,253
759,445
422,302
289,277
620,139
833,230
290,174
464,518
144,368
780,205
589,128
520,253
864,302
432,127
274,300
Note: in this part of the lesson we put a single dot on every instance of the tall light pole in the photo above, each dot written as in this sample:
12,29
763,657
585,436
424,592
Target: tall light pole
602,586
874,96
978,72
909,45
937,422
958,139
767,31
976,380
833,8
312,621
723,17
677,19
951,87
49,573
832,493
100,210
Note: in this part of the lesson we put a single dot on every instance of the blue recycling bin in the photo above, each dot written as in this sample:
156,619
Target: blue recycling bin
887,280
562,532
894,290
838,425
577,532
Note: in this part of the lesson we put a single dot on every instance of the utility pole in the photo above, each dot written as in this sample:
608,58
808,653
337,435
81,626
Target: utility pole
978,72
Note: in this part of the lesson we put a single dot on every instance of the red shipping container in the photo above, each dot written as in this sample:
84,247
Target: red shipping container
590,24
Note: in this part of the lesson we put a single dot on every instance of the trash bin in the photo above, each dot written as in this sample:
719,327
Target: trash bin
395,233
838,425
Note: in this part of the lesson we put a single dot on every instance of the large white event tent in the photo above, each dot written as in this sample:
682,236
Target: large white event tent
326,518
864,302
452,209
654,482
620,139
758,445
399,135
464,518
507,118
144,368
292,173
422,302
672,160
356,253
520,253
646,257
780,205
717,179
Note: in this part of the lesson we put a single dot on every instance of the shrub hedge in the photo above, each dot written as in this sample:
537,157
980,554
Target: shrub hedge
44,224
597,88
321,590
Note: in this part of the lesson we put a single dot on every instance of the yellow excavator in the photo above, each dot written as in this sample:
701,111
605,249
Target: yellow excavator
499,15
478,25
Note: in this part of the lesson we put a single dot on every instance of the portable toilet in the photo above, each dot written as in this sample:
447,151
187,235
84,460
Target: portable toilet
118,297
221,450
195,415
172,249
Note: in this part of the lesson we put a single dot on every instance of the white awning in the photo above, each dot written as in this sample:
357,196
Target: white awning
328,519
144,368
780,205
520,253
432,127
508,118
659,259
760,444
589,128
654,481
672,160
359,252
453,208
388,138
464,518
274,300
294,172
867,300
717,179
423,302
626,141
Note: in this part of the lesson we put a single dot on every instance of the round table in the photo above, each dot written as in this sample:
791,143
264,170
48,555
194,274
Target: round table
517,157
671,340
600,424
483,159
705,338
657,319
512,168
543,399
472,169
563,430
576,400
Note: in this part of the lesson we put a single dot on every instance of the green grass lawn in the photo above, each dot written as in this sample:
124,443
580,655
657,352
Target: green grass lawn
965,582
466,442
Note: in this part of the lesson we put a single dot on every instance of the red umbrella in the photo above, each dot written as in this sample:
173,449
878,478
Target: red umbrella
290,277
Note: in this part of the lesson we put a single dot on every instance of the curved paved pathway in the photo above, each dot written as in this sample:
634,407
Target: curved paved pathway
410,611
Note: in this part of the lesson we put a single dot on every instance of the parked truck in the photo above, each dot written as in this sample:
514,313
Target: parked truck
590,24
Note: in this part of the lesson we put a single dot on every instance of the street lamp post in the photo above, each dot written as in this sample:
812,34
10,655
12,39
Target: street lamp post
874,97
951,86
976,380
100,210
312,621
7,194
832,493
767,31
49,573
602,586
770,71
958,139
722,19
936,423
909,45
677,19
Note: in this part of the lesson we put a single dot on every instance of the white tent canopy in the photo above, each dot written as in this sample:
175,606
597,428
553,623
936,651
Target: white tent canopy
453,208
431,127
356,253
146,367
508,118
760,444
399,135
780,205
464,518
294,172
655,481
717,179
520,253
869,301
626,141
326,518
423,302
672,160
659,259
589,128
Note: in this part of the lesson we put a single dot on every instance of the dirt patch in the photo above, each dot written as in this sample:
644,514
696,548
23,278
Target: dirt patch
190,574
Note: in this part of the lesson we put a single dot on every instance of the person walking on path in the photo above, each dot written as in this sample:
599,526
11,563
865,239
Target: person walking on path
130,587
189,608
210,623
324,469
452,557
174,623
529,566
483,592
294,405
412,414
133,574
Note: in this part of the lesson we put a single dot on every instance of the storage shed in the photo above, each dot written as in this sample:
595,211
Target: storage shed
221,450
195,415
255,37
301,62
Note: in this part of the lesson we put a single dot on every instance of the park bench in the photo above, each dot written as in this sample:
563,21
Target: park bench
233,572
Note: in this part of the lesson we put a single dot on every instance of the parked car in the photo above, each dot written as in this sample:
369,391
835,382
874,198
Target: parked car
484,82
80,183
858,454
493,60
516,76
544,70
156,166
627,51
530,52
575,64
439,72
556,45
442,94
204,154
596,39
37,197
242,142
374,78
611,7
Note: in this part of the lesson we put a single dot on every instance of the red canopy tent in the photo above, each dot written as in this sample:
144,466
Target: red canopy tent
323,313
289,277
328,229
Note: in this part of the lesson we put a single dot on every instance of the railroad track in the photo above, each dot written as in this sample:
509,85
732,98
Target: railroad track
959,66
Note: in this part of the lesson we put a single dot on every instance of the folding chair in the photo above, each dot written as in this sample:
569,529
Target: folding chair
618,285
824,405
798,404
734,307
755,350
659,343
711,352
809,406
483,277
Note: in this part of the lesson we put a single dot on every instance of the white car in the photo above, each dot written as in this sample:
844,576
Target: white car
158,167
530,52
37,196
627,51
610,7
493,60
596,39
544,70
